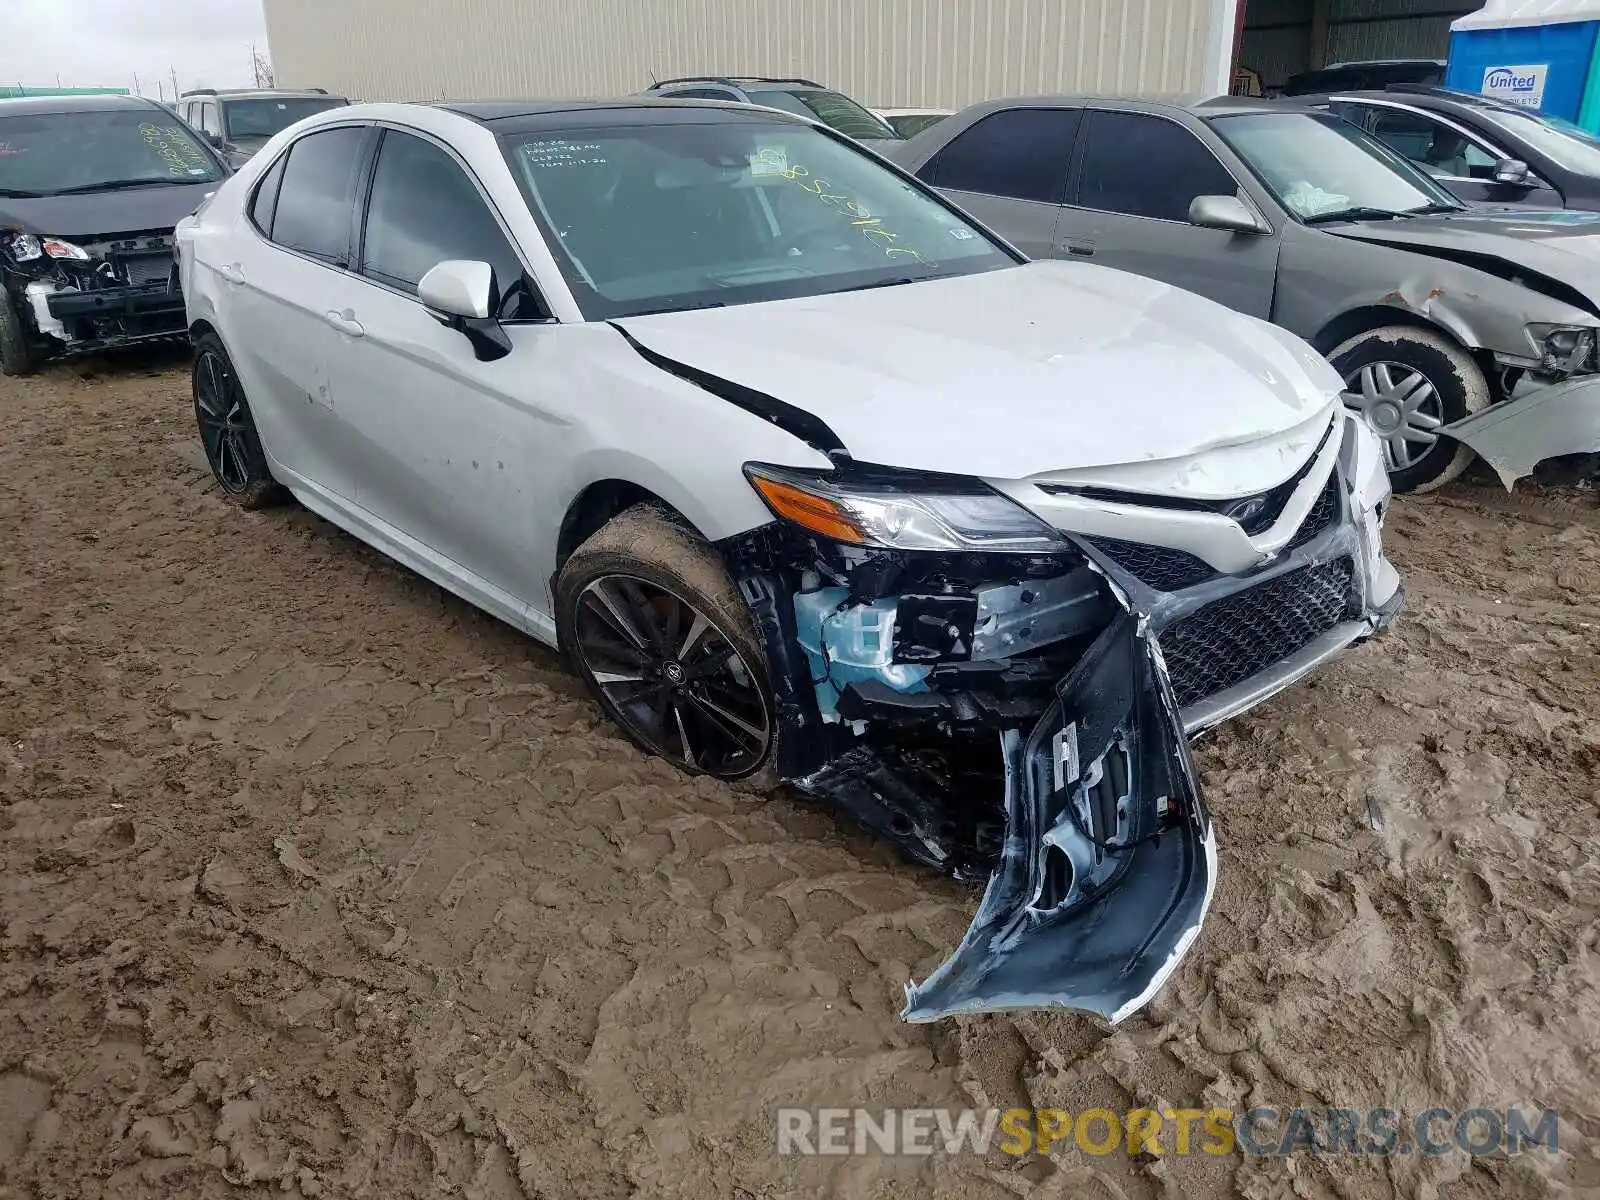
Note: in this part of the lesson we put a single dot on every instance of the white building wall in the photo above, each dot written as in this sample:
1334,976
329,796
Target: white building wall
883,52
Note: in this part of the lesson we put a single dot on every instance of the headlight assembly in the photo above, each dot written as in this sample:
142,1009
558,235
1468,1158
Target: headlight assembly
907,514
30,247
1564,349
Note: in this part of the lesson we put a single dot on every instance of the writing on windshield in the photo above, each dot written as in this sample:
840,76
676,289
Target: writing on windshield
177,150
772,160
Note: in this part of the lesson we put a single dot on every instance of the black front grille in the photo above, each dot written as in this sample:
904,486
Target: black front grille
1323,513
1161,567
1231,639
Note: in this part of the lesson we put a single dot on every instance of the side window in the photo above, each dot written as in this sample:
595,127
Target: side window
315,198
265,201
1147,167
1433,146
424,209
208,118
1021,153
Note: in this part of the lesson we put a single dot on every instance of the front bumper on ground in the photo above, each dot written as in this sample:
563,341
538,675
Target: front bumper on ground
1536,423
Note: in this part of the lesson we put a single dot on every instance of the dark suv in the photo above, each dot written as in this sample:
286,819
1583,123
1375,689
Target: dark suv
799,96
238,123
90,189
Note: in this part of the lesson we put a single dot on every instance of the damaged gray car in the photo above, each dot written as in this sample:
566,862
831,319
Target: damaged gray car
814,480
1455,331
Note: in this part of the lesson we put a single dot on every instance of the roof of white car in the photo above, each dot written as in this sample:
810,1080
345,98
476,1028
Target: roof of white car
629,110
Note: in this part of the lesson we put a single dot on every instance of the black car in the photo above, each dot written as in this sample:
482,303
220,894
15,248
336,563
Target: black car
1486,151
237,123
1377,73
90,189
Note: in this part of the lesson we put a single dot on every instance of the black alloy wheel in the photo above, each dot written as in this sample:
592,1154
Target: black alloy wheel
671,677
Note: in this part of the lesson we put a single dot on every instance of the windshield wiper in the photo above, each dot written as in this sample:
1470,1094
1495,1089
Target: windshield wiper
19,194
116,185
672,308
895,282
1357,212
1433,206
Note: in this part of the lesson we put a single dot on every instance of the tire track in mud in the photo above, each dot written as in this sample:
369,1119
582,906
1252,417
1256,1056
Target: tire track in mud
316,880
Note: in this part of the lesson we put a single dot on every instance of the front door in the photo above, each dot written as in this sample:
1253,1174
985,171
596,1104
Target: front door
448,453
1010,171
1136,176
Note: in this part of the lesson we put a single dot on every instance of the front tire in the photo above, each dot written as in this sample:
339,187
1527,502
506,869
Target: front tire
16,355
227,429
649,618
1407,383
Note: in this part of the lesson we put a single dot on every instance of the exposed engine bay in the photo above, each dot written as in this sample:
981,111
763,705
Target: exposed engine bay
1025,717
86,296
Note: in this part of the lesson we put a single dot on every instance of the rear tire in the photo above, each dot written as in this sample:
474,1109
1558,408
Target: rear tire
1406,382
649,618
228,430
16,355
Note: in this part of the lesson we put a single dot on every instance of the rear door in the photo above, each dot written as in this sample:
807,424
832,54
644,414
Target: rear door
290,255
1010,171
1136,175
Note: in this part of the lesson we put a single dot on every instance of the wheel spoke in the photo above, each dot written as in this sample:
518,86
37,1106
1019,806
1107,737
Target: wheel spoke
1421,437
1424,420
600,600
1399,453
1383,377
1413,391
743,734
644,615
608,678
683,738
697,630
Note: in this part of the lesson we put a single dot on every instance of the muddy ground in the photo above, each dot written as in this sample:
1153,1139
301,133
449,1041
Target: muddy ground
315,881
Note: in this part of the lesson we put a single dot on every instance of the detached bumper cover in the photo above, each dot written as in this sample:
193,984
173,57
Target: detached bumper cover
1517,434
1109,859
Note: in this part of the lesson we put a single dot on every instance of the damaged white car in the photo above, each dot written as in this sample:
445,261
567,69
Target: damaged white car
814,481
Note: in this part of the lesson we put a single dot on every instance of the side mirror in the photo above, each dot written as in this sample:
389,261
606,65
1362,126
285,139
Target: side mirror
1224,212
1511,170
215,139
462,295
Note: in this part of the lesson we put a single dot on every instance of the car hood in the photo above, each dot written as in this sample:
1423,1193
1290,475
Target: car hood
1035,370
1564,246
96,215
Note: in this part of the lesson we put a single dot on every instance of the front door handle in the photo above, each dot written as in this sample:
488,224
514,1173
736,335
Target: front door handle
345,322
1079,249
231,272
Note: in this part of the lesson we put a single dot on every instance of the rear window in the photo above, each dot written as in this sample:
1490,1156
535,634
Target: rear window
45,154
317,196
258,119
831,108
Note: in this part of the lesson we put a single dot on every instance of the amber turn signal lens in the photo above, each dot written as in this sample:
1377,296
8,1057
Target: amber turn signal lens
816,513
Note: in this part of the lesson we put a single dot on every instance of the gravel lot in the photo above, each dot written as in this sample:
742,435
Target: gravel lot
313,881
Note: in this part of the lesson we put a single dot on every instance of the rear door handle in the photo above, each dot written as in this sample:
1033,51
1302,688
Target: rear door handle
232,272
345,323
1079,249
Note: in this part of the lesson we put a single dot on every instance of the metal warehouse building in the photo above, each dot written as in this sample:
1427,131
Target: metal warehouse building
883,52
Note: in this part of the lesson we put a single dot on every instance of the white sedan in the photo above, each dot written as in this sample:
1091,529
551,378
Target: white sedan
812,478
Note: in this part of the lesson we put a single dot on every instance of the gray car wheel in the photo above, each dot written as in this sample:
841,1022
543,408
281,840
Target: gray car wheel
1407,384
